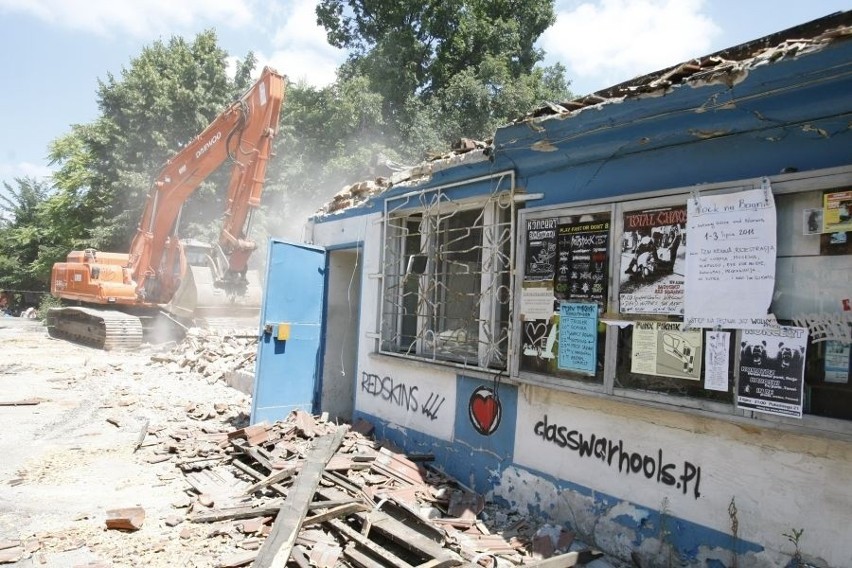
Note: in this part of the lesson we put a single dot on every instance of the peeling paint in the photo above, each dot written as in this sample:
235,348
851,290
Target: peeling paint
543,146
810,128
705,134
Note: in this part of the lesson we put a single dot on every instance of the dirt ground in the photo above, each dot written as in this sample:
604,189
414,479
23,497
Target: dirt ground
71,457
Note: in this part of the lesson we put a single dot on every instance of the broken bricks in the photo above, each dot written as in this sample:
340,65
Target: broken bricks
361,504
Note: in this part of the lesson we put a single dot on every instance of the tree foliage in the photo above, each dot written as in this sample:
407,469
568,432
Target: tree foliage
419,75
469,64
167,95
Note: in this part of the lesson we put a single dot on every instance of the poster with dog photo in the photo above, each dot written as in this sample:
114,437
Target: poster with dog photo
653,260
772,370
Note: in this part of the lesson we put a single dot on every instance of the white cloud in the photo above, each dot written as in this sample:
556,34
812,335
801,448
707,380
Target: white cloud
300,48
137,18
9,171
610,41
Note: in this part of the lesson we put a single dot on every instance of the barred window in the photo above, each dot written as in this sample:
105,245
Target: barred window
446,274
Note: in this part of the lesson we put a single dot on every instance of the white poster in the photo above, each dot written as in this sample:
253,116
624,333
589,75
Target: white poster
730,260
716,360
537,302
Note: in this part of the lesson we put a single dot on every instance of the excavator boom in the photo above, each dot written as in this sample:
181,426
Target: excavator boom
158,272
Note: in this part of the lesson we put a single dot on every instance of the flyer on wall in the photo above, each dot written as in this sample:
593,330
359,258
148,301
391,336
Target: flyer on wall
653,258
837,361
772,370
578,337
730,260
664,349
581,269
541,249
837,212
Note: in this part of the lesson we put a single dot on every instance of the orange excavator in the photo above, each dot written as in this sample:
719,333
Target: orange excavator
162,272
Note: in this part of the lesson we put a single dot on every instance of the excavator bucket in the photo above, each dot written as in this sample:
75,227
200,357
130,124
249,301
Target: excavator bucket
200,300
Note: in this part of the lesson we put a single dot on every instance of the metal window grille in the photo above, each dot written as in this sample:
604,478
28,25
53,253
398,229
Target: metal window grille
447,278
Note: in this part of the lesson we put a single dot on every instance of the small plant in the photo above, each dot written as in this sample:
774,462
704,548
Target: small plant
794,536
47,302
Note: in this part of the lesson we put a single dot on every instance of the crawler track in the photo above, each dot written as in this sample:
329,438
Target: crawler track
104,329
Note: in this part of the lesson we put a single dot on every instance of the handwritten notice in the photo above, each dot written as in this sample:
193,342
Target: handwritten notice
730,260
537,302
716,360
578,337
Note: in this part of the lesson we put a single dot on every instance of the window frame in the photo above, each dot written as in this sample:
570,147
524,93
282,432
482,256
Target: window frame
498,212
788,183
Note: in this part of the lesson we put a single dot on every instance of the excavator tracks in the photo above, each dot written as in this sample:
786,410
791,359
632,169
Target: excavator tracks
104,329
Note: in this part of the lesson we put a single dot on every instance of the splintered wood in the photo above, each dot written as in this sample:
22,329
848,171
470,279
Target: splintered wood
307,493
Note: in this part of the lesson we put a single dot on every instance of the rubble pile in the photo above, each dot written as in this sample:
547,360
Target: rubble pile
211,353
311,493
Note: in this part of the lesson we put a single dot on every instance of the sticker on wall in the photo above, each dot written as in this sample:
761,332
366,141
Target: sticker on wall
485,410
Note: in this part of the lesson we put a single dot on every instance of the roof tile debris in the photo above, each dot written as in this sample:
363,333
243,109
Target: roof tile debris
366,503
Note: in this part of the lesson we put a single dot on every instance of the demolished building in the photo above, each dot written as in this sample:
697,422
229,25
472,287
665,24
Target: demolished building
628,313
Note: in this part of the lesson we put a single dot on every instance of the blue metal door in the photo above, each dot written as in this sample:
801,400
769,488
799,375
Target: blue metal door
289,353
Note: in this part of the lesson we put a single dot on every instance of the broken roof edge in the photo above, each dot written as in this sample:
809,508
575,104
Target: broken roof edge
819,32
358,194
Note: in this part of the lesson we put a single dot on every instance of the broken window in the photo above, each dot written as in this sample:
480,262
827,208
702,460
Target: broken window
446,274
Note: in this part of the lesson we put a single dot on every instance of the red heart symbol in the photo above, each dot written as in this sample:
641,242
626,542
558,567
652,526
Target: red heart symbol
484,411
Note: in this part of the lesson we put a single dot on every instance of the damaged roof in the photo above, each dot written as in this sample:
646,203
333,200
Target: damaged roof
727,62
727,67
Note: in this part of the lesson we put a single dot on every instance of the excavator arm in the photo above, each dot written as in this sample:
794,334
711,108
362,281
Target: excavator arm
241,134
160,271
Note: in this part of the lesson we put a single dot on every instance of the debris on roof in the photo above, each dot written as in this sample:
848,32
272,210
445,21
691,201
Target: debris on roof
728,66
465,150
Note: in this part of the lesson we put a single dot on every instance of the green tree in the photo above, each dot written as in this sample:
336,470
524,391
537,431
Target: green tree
468,65
37,228
166,96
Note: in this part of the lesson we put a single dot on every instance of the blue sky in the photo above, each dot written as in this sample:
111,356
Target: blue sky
54,51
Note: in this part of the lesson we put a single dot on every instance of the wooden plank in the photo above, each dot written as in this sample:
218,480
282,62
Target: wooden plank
236,513
276,548
357,537
561,561
404,536
335,512
360,559
274,478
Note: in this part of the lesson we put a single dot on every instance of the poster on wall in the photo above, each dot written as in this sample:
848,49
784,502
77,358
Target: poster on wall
581,267
537,301
730,260
837,212
716,360
664,349
837,361
539,345
772,369
541,249
578,337
653,258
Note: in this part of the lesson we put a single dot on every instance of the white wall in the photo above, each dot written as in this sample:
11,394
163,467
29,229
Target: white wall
780,481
